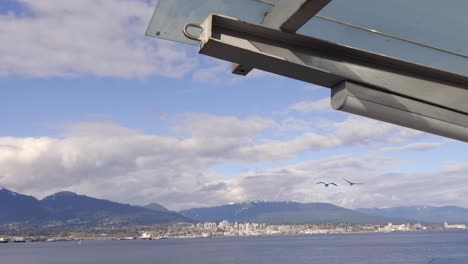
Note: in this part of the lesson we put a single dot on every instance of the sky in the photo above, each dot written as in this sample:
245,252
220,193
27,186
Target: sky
89,104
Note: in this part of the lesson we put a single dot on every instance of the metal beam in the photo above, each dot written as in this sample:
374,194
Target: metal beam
328,64
362,83
288,16
366,101
291,15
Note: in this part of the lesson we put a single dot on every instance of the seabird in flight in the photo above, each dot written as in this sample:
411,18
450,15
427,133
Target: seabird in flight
353,183
326,184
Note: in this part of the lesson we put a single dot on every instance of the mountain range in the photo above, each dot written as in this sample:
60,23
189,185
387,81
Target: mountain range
299,213
67,208
451,214
284,213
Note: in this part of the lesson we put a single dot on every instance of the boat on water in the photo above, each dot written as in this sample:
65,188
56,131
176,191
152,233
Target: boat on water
19,240
3,240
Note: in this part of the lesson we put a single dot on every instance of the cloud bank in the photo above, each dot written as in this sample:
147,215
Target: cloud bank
87,37
111,161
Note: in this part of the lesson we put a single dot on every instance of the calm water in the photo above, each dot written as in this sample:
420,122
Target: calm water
409,248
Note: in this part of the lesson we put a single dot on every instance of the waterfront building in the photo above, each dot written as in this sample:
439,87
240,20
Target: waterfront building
146,236
447,226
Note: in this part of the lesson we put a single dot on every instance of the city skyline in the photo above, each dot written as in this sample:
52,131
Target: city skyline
99,109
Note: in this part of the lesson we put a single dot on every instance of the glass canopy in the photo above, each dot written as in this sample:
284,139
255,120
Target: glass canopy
427,32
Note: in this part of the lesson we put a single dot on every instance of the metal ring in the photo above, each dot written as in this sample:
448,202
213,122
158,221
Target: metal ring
188,35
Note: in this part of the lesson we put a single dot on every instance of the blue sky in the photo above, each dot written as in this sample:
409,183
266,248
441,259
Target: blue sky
136,103
91,105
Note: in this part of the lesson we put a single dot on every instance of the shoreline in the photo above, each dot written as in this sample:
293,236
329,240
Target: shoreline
58,240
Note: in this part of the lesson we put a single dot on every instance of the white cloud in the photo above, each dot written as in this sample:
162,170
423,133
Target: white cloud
298,181
353,131
291,123
119,163
419,146
383,187
123,168
104,38
217,72
311,106
88,37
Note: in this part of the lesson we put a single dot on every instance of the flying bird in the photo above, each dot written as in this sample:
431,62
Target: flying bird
353,183
326,184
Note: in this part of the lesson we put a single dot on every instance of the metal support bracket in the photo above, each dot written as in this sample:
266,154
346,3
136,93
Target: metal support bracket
288,16
329,64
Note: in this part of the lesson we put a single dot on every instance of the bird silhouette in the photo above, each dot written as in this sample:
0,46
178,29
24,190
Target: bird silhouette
353,183
327,184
